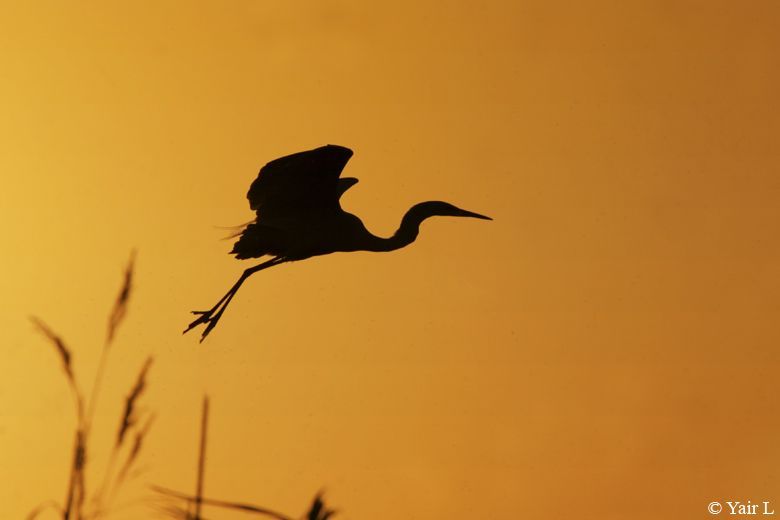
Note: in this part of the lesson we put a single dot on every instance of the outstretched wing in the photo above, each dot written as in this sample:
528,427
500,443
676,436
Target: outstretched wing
301,186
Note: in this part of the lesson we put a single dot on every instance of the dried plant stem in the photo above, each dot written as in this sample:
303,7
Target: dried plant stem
115,319
93,395
74,500
202,457
99,495
76,489
50,504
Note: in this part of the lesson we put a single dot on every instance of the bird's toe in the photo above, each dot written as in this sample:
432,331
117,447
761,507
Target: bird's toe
203,317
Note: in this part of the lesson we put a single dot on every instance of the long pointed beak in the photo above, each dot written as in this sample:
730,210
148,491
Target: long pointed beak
473,215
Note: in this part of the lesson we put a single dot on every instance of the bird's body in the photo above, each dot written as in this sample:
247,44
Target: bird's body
300,240
299,216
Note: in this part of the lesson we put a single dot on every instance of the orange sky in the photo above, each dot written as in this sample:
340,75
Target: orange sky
605,348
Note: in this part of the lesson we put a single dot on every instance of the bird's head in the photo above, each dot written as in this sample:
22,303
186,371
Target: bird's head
437,208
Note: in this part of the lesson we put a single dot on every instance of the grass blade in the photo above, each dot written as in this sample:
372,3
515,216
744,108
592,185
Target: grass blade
247,508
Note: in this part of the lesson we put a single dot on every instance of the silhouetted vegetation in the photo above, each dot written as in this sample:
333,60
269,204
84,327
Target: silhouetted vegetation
79,503
83,503
191,510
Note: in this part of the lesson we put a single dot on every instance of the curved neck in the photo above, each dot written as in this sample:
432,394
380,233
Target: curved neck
407,231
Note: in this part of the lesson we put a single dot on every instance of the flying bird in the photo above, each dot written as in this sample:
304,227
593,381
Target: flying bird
299,216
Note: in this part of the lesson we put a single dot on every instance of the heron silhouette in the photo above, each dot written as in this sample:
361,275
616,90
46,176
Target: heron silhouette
296,199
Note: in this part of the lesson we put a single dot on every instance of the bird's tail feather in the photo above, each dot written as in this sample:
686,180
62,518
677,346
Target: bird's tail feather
257,240
235,230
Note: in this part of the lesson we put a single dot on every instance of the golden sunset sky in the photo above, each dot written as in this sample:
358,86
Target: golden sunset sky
606,348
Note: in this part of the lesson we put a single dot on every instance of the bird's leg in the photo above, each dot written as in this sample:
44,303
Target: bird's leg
212,316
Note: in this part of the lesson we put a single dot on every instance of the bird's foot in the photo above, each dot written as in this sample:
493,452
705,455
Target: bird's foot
207,318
